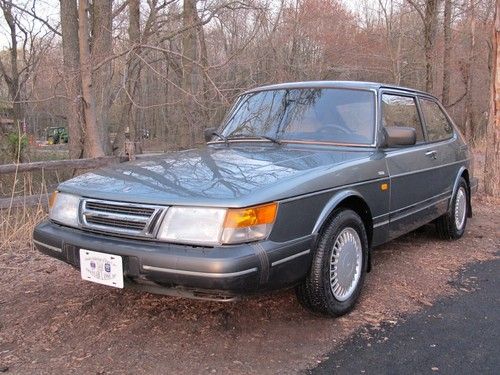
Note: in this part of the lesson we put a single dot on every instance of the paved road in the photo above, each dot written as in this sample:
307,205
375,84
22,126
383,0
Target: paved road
458,335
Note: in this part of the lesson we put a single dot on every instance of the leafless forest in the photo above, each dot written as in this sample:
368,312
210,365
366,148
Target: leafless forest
132,76
154,73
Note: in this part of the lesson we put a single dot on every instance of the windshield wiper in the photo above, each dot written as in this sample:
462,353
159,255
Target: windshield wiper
223,138
267,137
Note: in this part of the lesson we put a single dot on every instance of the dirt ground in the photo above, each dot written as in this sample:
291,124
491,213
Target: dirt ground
52,322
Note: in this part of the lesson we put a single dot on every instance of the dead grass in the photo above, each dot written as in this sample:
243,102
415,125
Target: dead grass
16,226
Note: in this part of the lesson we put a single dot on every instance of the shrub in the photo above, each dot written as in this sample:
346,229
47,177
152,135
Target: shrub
16,145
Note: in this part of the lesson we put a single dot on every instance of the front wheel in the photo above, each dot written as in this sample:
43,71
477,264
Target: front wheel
451,225
339,265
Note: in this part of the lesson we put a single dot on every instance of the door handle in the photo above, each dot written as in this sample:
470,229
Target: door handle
432,154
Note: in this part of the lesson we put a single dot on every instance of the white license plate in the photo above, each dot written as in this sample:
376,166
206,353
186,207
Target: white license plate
101,268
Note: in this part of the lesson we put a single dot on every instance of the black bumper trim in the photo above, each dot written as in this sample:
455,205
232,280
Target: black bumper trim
50,247
291,257
201,274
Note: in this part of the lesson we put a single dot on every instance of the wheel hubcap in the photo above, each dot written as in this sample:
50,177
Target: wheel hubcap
460,208
345,264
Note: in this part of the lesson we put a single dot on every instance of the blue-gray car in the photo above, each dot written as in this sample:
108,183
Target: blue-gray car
294,189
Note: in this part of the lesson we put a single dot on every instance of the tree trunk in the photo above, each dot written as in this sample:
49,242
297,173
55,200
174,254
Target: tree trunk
134,69
92,141
397,67
129,121
190,77
492,158
203,57
102,48
71,61
430,21
12,79
445,96
469,103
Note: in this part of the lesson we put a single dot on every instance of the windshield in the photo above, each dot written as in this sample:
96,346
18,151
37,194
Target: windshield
312,114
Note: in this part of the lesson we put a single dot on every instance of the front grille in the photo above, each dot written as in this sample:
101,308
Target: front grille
130,219
130,210
116,223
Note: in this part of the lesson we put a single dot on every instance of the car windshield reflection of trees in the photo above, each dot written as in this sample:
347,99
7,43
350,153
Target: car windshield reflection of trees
304,114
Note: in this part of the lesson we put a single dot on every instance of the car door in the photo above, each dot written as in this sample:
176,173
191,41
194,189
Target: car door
412,169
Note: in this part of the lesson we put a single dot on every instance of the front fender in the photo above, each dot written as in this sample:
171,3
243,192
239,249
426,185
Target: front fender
331,205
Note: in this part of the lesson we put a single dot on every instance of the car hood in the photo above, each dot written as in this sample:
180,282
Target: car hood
219,175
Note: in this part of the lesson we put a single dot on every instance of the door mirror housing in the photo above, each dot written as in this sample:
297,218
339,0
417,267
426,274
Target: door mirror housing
399,136
208,133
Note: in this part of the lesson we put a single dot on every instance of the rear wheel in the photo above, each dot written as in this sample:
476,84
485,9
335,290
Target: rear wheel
338,269
451,225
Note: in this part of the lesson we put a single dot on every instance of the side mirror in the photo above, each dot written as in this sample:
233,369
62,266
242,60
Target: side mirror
400,136
208,134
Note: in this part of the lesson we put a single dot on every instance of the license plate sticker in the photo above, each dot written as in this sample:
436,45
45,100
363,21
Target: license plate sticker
101,268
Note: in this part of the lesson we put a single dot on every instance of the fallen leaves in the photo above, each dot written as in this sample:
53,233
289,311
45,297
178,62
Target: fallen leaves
64,323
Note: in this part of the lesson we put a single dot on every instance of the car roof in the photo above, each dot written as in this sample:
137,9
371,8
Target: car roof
358,85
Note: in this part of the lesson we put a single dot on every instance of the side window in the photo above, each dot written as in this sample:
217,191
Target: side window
401,111
438,126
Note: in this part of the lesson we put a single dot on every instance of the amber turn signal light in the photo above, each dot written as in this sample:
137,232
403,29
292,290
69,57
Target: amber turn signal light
248,217
52,199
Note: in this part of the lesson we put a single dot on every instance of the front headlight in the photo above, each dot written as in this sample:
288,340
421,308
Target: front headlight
193,225
63,208
215,226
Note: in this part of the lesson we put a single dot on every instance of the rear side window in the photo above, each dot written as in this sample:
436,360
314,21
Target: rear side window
438,126
401,111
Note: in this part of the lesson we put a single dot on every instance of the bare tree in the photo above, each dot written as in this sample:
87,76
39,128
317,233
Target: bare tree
129,118
73,83
190,75
429,19
468,75
92,141
101,49
170,67
12,77
492,158
391,34
445,95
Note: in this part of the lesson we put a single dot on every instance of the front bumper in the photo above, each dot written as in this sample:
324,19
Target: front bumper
164,268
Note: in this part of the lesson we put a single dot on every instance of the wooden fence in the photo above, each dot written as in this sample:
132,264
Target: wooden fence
42,199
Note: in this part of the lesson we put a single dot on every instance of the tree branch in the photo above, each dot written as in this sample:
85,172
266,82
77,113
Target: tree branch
417,8
33,14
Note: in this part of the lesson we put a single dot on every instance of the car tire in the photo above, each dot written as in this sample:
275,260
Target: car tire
329,289
451,225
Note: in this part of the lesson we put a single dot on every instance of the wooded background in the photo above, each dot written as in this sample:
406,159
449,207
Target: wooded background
165,70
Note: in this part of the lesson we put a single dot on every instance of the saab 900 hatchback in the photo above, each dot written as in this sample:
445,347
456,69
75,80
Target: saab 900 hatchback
294,189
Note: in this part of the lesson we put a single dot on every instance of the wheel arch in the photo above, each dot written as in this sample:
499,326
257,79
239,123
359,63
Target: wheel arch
350,199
